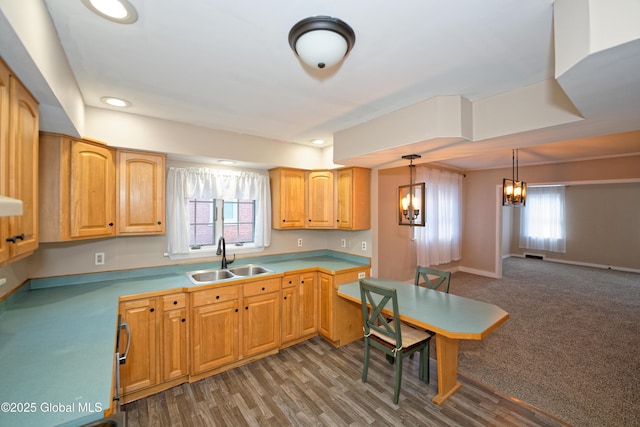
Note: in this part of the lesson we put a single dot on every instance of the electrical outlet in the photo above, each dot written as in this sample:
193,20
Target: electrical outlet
299,242
343,243
364,246
99,258
362,275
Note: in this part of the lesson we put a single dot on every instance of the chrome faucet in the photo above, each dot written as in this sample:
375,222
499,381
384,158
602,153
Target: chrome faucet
222,249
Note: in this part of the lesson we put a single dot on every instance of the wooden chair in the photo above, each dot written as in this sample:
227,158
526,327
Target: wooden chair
396,339
443,278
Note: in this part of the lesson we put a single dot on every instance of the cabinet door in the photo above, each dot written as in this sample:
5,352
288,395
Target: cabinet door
4,155
289,320
215,335
308,304
354,198
288,198
261,323
141,368
23,168
174,344
326,305
320,210
141,183
92,195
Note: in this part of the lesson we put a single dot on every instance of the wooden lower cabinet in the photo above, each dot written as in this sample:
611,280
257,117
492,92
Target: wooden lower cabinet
215,328
300,307
157,356
141,369
175,335
186,336
340,320
261,317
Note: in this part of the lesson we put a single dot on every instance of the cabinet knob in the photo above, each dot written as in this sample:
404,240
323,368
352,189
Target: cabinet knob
152,309
263,288
284,220
302,281
184,320
236,310
217,296
159,222
246,308
175,302
110,224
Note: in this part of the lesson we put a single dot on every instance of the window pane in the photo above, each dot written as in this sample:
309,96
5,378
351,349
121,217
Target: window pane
201,222
239,226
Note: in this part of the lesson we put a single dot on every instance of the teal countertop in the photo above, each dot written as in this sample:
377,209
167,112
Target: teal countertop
450,315
57,335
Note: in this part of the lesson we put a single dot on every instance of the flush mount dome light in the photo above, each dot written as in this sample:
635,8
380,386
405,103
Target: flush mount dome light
120,11
115,102
321,41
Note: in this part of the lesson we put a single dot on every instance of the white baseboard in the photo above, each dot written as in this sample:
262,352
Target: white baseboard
583,264
477,272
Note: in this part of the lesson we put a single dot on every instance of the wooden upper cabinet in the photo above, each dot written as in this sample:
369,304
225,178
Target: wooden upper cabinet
77,180
287,198
18,165
354,198
141,186
320,196
92,196
90,190
5,76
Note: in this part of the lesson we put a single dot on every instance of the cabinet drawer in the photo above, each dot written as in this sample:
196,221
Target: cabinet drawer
289,280
169,302
261,287
212,296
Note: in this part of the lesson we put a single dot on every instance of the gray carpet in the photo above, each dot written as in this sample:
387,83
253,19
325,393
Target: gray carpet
571,346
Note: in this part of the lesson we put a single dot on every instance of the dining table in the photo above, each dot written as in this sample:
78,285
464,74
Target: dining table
450,317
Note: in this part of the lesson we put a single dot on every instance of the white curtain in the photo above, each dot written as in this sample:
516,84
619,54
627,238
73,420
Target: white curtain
542,219
203,183
440,240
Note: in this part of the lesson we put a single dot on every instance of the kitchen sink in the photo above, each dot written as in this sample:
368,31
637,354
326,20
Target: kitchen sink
213,275
206,276
249,270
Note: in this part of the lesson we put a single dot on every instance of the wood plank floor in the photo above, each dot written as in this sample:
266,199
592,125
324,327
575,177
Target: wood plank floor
314,384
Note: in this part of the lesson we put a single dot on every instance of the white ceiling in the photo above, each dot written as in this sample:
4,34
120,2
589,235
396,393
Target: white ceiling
228,65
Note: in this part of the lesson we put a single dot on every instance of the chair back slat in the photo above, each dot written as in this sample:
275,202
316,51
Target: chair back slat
377,298
441,283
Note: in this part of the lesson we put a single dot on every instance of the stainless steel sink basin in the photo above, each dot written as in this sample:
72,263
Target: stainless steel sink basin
203,277
206,276
249,270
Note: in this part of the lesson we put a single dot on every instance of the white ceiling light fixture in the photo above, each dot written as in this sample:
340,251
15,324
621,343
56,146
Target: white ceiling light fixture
321,41
120,11
115,102
226,162
318,141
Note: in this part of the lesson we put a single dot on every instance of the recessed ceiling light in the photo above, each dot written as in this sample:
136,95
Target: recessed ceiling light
226,162
318,141
115,102
119,11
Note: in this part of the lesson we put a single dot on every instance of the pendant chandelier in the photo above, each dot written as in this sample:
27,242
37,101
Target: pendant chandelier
411,199
514,192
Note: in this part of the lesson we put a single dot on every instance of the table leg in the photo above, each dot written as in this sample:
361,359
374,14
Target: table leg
447,361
